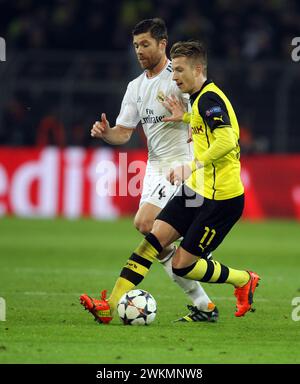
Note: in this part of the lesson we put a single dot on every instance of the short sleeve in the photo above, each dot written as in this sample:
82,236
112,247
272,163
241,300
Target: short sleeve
129,115
213,110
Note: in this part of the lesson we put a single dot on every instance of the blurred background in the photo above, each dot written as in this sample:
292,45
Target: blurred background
66,63
69,61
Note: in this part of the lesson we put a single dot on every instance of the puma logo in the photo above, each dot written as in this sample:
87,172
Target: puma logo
219,118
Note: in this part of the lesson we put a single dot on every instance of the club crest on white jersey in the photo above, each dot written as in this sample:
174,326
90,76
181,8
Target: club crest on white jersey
143,102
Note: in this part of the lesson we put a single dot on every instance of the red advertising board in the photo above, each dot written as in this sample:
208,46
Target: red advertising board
106,183
272,185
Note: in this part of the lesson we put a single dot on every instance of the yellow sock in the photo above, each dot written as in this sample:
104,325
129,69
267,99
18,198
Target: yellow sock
214,272
237,278
121,286
135,269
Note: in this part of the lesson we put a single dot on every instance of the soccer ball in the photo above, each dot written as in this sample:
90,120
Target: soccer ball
137,307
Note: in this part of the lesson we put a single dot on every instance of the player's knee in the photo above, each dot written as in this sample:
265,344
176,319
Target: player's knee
179,268
143,225
177,271
178,261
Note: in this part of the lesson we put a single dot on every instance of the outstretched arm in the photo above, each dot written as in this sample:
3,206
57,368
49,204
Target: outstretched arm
117,135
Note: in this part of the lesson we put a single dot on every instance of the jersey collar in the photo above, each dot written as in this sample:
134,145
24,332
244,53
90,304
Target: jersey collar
162,70
193,97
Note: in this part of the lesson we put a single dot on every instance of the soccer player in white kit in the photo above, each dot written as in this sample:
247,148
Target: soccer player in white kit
167,145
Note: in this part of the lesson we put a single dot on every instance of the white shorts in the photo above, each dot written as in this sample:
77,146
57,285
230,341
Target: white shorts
157,190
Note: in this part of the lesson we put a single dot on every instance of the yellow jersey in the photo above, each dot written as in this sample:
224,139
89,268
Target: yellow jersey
219,179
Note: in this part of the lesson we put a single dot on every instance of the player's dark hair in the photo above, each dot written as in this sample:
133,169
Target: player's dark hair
194,50
156,27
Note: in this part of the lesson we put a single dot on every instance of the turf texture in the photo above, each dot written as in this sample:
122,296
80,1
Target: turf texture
46,264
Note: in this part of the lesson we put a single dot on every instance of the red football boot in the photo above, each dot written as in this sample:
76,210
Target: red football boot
100,309
245,294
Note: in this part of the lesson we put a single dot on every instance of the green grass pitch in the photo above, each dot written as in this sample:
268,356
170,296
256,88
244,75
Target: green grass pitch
46,264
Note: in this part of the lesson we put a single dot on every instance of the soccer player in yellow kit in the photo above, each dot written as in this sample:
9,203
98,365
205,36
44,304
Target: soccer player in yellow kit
143,102
211,198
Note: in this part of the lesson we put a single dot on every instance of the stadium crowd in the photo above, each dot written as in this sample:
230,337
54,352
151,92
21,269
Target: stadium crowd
248,31
252,29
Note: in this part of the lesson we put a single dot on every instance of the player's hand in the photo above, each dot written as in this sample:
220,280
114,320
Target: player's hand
100,128
175,107
179,174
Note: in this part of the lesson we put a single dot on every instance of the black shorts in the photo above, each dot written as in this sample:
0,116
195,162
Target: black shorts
203,223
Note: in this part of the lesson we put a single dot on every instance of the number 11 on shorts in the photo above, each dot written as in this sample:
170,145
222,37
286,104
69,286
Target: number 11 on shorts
206,239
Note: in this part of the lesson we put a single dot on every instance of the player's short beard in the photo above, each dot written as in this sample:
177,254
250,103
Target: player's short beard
153,64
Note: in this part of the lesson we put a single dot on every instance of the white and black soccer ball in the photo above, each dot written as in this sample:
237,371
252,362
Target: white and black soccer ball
137,307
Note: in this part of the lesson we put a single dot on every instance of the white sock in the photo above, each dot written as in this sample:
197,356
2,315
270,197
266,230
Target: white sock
191,288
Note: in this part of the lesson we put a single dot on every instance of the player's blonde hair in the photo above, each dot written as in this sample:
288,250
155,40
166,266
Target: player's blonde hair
193,50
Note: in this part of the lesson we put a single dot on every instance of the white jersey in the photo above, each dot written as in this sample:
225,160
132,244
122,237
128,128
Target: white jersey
142,102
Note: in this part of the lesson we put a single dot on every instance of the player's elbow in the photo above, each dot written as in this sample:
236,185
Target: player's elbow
124,134
126,138
230,146
226,140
